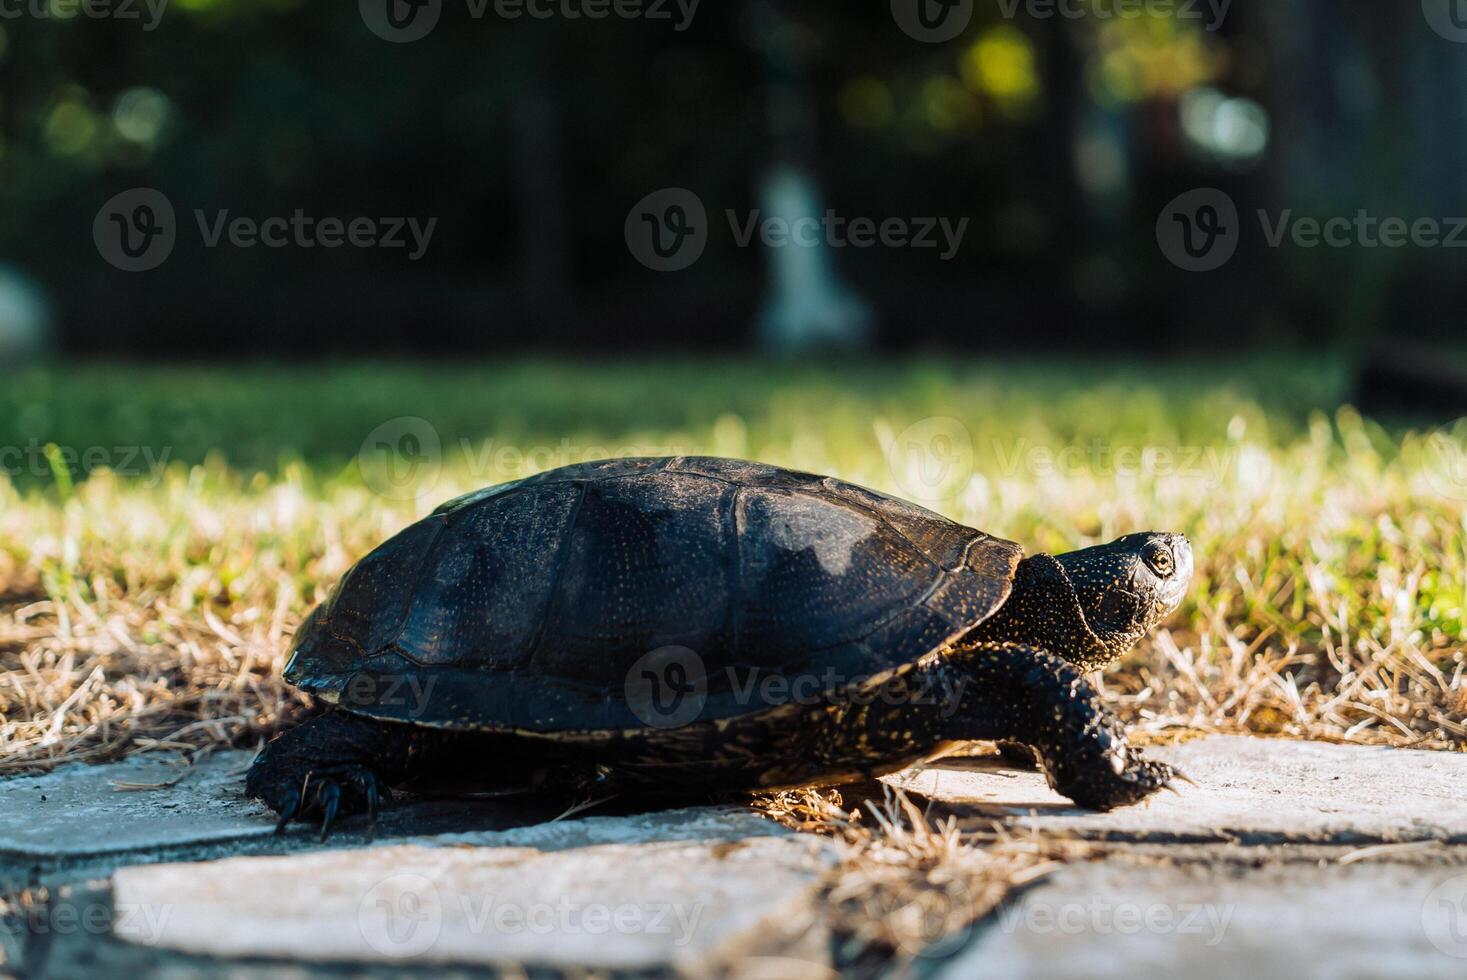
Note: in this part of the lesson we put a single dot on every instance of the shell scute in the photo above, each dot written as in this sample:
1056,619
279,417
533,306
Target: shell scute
527,606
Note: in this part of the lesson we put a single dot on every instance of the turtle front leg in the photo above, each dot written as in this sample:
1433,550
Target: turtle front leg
1017,693
338,764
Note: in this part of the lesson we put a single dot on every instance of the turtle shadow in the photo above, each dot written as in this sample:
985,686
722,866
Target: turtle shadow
425,811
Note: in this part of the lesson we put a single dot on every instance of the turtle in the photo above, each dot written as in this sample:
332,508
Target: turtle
709,624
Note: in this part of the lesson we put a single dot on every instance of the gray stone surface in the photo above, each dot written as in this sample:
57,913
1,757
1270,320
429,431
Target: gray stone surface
706,824
691,889
1249,790
667,904
81,809
80,813
85,820
1100,921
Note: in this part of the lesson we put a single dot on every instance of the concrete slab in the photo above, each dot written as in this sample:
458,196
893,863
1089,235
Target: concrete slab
82,812
1250,790
86,820
80,808
705,824
475,882
1132,923
90,819
664,905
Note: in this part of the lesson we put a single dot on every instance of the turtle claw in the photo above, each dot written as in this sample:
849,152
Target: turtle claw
326,794
370,788
1180,776
288,810
330,798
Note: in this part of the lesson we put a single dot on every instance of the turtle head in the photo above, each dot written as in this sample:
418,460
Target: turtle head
1091,606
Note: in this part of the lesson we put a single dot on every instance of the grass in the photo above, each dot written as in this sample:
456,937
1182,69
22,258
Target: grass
904,886
163,530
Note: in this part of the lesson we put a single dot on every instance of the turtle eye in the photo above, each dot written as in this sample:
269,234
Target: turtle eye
1159,558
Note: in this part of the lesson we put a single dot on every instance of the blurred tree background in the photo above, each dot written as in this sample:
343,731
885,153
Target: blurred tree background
1060,138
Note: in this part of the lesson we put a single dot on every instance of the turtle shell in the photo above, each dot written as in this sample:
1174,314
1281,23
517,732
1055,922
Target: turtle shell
582,599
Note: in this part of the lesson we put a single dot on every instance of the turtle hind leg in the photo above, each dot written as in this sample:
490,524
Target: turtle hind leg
338,764
1017,693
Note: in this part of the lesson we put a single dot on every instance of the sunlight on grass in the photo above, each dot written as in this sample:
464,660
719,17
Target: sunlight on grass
162,531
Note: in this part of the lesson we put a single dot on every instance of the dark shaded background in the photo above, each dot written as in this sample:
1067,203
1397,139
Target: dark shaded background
529,140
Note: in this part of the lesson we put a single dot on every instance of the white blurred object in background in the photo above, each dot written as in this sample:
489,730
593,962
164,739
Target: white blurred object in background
809,306
25,318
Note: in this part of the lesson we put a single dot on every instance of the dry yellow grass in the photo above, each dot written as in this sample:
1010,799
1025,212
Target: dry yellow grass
907,886
156,609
